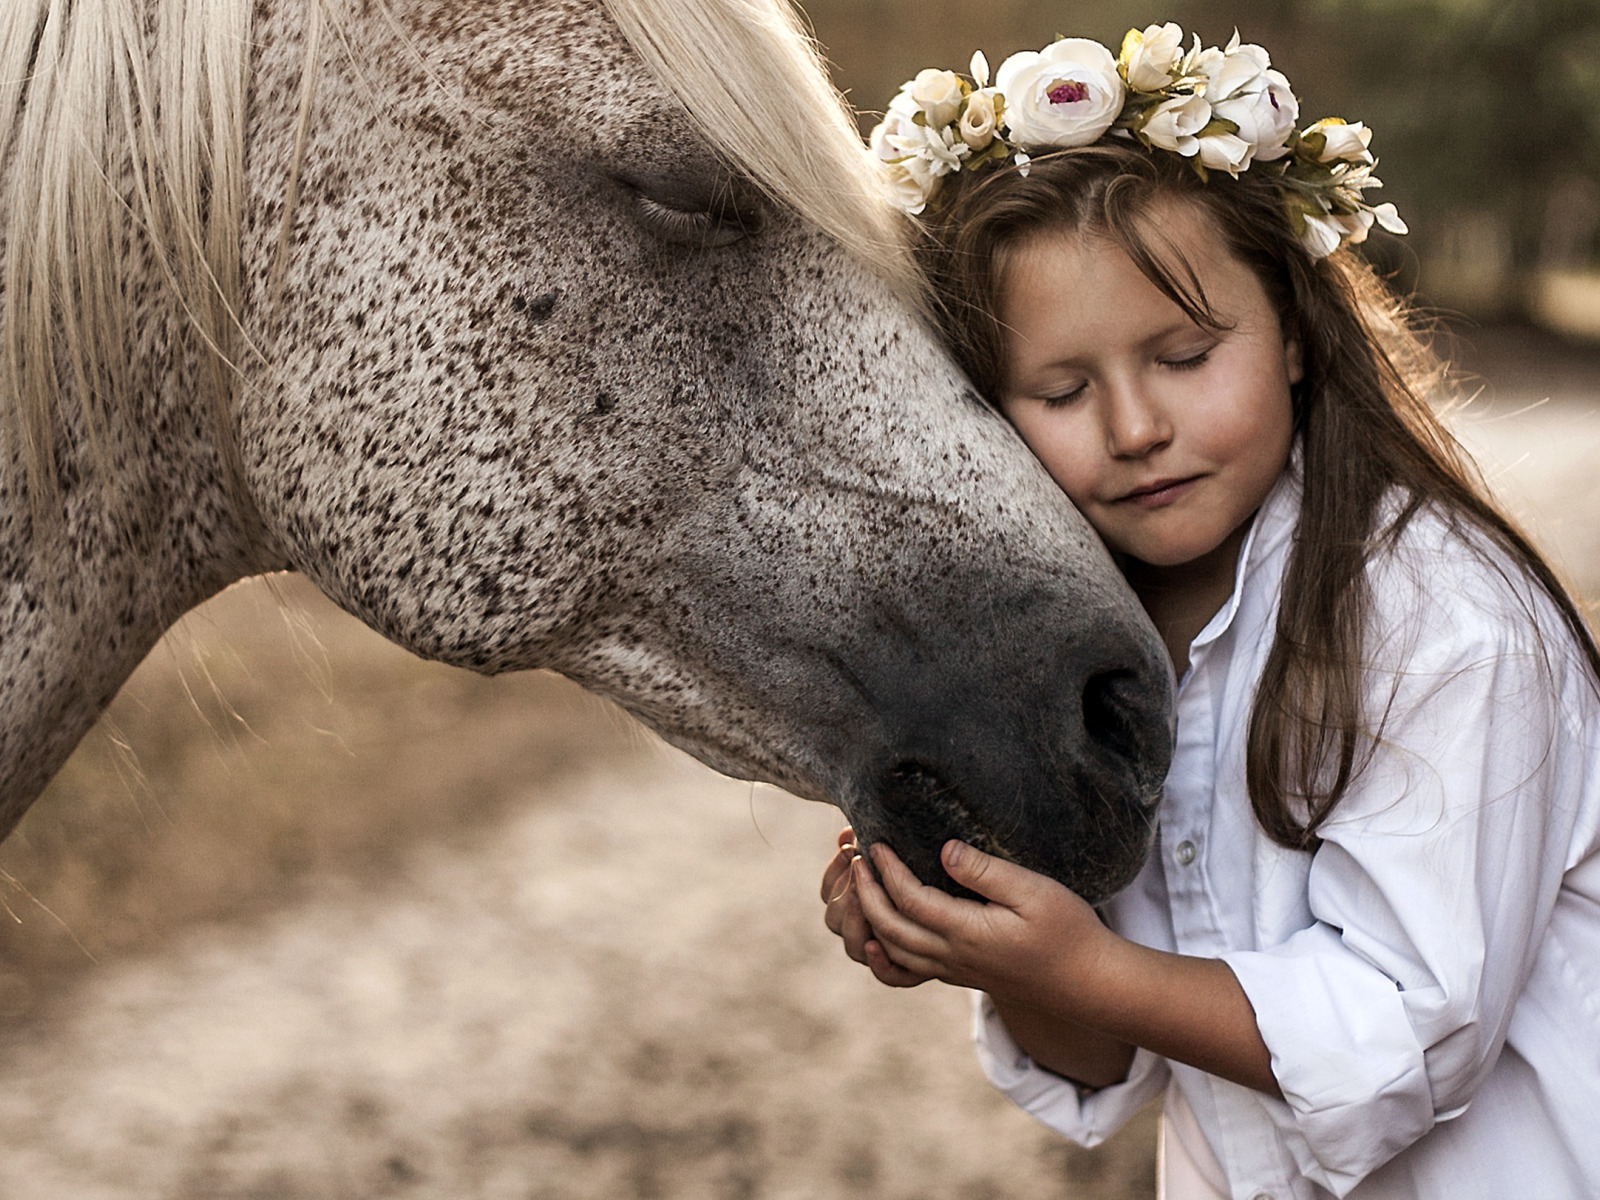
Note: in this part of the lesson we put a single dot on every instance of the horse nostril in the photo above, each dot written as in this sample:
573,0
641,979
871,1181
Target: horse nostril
1111,712
909,785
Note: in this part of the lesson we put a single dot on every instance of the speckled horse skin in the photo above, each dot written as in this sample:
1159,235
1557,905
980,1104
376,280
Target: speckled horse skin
509,416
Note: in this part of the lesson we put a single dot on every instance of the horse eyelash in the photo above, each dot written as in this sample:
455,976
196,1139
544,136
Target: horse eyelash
704,229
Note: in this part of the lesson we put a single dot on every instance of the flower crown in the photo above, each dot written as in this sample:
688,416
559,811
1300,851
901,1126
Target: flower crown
1224,110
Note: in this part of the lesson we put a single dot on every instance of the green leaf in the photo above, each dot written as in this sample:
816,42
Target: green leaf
1218,125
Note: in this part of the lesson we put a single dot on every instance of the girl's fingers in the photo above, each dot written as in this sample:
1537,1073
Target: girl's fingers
927,906
855,931
994,879
890,972
836,876
844,918
906,959
888,923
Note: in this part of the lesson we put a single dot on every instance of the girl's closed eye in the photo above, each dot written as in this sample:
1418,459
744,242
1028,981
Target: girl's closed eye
1189,361
1064,397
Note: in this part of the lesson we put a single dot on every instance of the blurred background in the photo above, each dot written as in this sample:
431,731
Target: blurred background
1483,111
307,917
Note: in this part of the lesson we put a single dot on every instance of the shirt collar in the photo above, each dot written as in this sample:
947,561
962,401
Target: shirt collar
1271,529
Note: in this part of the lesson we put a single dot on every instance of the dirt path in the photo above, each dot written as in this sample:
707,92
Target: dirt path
365,927
618,989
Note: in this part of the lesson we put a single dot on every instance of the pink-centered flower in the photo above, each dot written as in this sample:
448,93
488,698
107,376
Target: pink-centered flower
1067,94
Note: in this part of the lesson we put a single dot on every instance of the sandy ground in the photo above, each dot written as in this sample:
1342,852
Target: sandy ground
309,918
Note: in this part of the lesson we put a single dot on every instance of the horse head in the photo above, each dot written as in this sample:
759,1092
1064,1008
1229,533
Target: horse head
567,346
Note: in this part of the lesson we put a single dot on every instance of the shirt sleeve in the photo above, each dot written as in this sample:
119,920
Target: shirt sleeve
1087,1117
1430,891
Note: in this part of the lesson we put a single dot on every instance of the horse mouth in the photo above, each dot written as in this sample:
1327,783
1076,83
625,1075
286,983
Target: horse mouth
927,810
921,810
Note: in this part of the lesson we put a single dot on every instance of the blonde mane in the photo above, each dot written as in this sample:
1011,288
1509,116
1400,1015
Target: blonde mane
104,98
755,83
101,99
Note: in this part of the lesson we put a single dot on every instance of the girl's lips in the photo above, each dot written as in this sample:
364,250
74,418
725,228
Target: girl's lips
1159,493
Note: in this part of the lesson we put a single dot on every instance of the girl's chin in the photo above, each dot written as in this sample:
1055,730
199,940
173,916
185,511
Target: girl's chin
1200,552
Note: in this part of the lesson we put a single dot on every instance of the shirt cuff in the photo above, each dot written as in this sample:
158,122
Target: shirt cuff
1351,1069
1086,1116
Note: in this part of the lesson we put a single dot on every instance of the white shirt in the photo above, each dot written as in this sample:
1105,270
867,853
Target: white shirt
1428,980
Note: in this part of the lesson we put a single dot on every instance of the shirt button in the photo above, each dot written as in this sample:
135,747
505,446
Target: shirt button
1184,853
1262,1196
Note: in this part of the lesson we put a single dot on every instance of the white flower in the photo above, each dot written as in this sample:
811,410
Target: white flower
979,70
1067,94
1200,62
921,148
978,119
1225,152
938,94
1246,92
1389,217
1344,142
1234,71
1322,235
1265,117
904,190
896,136
912,158
1150,58
1173,124
1326,233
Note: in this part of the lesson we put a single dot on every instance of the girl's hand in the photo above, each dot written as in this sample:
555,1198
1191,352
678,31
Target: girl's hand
843,916
1031,937
1078,997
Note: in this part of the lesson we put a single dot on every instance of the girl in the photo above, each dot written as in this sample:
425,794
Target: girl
1363,957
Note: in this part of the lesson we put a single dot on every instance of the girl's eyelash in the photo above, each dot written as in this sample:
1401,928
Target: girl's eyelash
1192,363
1189,364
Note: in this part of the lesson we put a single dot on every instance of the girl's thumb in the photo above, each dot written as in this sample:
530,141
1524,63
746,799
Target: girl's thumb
972,868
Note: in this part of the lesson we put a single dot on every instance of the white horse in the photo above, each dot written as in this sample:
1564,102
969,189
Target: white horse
538,333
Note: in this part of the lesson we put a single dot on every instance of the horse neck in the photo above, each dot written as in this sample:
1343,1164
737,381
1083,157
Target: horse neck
142,533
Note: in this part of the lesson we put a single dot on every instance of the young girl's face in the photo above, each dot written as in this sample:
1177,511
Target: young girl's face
1167,435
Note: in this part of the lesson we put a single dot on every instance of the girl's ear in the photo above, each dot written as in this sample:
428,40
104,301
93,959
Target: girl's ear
1293,360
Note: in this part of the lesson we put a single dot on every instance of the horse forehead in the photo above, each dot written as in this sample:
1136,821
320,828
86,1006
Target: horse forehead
563,67
527,45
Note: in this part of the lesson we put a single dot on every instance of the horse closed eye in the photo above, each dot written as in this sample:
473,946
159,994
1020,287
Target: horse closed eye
717,224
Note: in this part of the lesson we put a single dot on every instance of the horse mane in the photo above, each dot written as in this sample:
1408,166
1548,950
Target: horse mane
99,100
104,98
755,83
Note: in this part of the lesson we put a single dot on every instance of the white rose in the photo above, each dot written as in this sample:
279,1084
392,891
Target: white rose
1225,152
1265,118
890,137
1205,62
978,121
904,190
1236,70
1067,94
1344,142
1149,58
938,94
1173,124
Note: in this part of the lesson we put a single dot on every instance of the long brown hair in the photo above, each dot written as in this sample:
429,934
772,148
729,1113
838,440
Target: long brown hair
1361,416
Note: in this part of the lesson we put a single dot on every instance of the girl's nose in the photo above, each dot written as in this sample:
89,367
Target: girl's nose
1136,425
